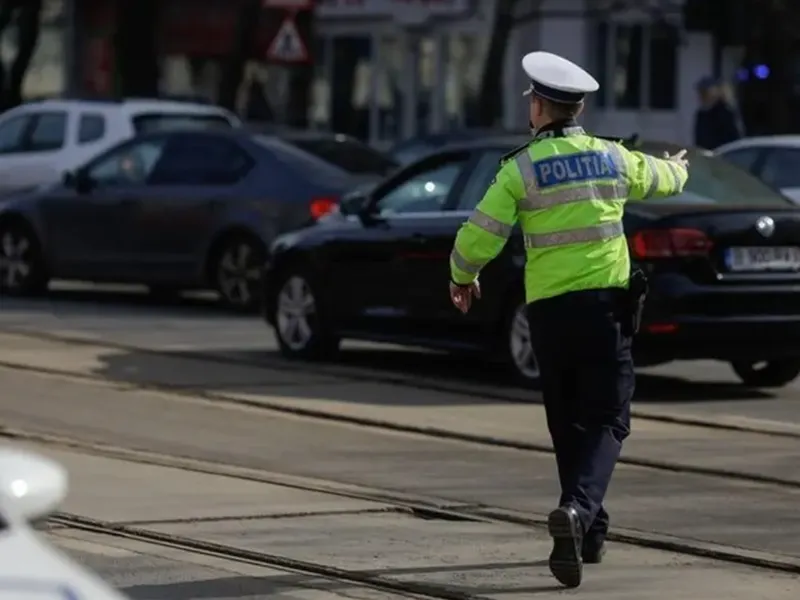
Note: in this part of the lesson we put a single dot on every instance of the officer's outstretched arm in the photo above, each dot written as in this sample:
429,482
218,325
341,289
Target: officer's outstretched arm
483,236
651,177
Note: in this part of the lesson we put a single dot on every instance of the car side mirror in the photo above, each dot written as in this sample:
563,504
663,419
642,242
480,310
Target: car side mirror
354,203
79,180
32,485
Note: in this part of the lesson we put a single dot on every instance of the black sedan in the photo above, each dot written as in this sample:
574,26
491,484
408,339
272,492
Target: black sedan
723,260
171,210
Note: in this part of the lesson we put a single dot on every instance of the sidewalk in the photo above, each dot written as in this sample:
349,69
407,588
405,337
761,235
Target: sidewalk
492,560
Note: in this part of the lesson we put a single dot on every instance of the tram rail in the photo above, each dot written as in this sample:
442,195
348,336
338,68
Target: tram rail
424,507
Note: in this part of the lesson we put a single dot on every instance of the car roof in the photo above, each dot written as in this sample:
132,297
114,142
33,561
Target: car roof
493,142
513,140
786,140
131,106
292,133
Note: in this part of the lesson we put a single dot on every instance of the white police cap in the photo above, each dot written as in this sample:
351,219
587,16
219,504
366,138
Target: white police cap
557,79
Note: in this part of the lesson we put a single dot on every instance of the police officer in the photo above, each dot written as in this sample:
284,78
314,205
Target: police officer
567,189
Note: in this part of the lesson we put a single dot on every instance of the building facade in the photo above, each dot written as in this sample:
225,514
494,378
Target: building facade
416,79
391,69
646,64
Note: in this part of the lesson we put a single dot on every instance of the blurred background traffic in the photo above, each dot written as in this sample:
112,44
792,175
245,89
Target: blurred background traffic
313,161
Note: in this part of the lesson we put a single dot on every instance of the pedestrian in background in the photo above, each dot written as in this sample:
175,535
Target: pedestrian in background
567,189
716,121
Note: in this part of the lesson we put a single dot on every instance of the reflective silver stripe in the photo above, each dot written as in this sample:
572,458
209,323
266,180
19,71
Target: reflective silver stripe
463,264
490,224
676,175
618,158
573,236
525,166
576,194
653,166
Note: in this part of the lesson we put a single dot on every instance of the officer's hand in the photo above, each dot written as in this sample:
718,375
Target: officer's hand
678,158
461,295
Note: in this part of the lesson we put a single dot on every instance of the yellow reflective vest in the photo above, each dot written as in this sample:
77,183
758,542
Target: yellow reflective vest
568,195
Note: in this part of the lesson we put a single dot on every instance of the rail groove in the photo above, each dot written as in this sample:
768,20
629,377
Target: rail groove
422,506
426,431
263,559
382,376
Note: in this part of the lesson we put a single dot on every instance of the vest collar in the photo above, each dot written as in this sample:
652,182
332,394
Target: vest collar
559,129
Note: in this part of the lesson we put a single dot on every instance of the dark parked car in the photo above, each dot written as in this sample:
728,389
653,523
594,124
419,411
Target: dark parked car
172,210
344,151
722,257
413,149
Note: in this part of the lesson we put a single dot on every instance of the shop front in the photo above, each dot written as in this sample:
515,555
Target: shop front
391,69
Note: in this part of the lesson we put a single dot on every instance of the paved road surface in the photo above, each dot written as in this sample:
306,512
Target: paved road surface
491,560
193,407
703,389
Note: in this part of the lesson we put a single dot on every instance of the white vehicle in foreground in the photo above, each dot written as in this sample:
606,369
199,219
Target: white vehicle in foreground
774,159
41,140
31,488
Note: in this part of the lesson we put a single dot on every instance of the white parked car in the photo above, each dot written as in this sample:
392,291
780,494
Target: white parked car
41,140
774,159
31,488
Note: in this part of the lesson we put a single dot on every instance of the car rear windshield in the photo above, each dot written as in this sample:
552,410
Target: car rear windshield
302,163
151,122
713,180
351,156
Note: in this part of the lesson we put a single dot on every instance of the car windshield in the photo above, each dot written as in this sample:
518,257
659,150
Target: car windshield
352,156
713,180
151,122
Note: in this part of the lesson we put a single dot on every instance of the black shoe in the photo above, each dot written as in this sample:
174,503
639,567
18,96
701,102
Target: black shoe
593,551
566,563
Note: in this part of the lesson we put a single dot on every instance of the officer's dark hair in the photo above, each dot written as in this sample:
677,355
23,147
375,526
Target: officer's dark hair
558,111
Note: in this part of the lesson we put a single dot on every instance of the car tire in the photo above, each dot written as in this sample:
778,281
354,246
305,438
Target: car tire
236,271
516,343
300,327
22,268
767,374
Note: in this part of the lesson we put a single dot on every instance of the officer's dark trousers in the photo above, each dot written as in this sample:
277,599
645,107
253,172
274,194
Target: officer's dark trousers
587,382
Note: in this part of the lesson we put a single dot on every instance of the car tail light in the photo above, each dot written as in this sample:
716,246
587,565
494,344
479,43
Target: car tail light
322,206
669,243
661,328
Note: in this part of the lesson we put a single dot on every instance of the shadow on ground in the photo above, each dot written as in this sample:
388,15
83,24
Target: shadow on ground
459,380
245,587
465,372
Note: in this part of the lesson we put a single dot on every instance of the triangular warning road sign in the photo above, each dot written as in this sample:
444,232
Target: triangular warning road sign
288,46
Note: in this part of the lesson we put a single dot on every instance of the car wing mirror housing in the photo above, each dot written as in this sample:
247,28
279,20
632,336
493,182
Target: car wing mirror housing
32,485
82,181
354,203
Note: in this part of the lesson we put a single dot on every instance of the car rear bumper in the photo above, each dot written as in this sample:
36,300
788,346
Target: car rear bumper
686,321
731,338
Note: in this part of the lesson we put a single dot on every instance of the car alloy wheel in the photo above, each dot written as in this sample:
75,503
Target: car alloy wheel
520,347
296,308
239,274
17,260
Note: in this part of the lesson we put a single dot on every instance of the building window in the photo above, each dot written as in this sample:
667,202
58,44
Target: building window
636,65
45,73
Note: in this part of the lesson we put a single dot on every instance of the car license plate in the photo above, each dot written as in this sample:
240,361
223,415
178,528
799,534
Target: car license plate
767,258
